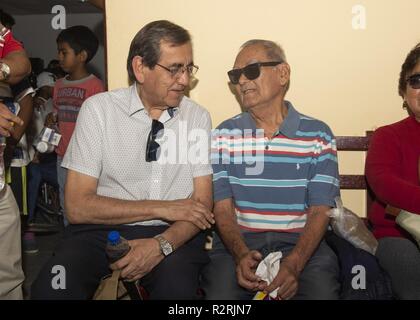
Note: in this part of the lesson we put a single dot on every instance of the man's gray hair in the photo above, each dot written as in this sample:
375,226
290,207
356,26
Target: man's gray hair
273,50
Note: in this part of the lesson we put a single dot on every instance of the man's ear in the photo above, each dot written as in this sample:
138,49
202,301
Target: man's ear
284,69
138,68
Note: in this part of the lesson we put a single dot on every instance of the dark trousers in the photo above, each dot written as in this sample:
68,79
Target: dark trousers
38,173
318,280
401,259
82,254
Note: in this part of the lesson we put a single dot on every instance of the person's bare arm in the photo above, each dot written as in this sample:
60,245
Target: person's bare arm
8,120
145,254
228,228
25,113
19,64
246,260
17,131
182,231
292,265
84,205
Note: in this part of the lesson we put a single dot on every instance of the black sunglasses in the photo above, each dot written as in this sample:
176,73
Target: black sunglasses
152,146
251,71
414,81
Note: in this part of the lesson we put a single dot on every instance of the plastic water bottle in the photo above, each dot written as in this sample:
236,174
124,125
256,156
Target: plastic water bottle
116,248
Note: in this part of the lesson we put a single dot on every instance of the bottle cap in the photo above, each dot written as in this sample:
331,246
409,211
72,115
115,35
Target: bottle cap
42,146
114,237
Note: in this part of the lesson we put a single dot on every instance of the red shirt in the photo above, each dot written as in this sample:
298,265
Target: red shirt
392,173
68,98
8,44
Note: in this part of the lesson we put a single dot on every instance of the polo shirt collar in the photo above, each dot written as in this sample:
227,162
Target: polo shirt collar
290,124
288,127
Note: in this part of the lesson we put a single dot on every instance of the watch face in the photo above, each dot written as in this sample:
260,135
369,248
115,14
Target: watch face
165,246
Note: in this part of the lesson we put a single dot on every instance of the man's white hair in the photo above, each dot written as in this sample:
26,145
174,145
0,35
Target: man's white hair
273,50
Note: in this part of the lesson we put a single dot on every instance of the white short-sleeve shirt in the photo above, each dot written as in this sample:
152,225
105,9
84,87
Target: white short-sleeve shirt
109,143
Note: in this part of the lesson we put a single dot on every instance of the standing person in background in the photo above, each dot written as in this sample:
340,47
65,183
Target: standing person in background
14,66
76,47
392,173
18,153
43,166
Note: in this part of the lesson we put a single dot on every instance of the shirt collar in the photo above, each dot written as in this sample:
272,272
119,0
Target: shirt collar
290,124
288,127
136,105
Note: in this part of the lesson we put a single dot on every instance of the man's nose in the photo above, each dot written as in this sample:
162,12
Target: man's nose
242,79
184,77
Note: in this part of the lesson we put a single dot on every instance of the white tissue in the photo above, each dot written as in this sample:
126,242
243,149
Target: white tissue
268,268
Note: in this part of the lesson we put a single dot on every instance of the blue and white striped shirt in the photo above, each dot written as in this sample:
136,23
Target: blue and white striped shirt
274,182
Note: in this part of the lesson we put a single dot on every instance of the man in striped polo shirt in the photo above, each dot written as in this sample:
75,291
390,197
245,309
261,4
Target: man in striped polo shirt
275,178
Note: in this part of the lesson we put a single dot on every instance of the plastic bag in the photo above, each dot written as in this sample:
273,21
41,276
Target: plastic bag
410,222
349,226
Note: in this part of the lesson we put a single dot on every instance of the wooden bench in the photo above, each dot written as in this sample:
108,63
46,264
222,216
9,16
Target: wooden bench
355,181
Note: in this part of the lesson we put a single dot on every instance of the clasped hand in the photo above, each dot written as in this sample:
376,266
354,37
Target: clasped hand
286,280
143,256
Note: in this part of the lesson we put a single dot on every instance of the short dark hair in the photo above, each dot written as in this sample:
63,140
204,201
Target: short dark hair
6,19
146,43
409,64
54,68
80,38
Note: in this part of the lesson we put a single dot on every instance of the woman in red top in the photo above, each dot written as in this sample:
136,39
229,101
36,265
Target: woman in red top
392,173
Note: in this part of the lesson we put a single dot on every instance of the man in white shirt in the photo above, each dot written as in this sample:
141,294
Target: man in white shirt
127,171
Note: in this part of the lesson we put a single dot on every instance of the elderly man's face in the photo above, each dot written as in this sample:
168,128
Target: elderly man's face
268,87
159,88
412,96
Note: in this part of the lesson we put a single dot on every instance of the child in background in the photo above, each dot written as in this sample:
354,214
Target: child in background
43,167
76,47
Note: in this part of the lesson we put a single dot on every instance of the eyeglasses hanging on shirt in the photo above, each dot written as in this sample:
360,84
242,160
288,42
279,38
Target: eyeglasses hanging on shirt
152,146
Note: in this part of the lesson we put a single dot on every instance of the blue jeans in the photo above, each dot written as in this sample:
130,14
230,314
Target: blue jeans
45,171
318,280
61,177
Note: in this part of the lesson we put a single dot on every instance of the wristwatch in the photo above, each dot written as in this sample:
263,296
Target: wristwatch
4,71
165,247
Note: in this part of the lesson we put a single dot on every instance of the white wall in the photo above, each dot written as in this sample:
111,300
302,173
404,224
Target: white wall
38,36
342,75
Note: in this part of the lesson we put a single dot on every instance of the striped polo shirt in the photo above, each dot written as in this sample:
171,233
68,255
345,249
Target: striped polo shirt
274,182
